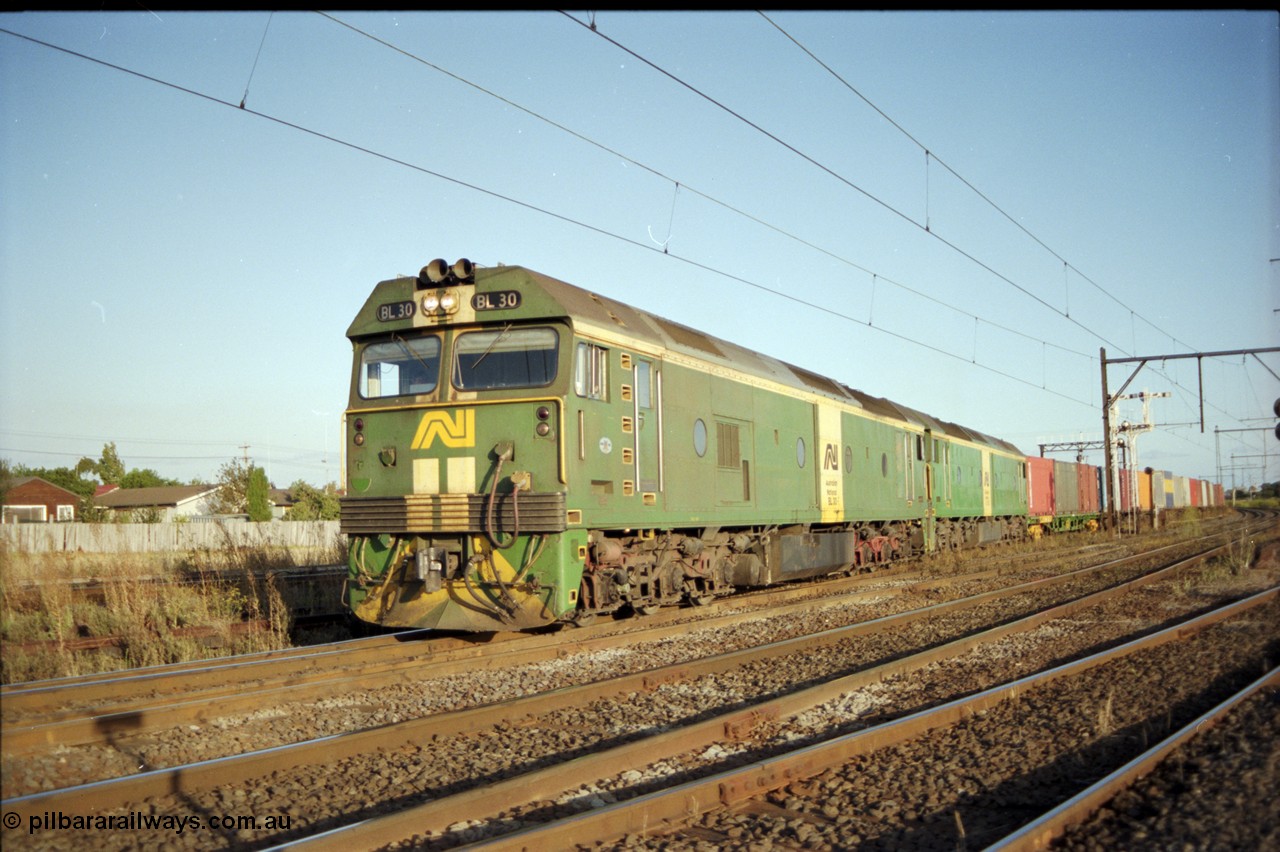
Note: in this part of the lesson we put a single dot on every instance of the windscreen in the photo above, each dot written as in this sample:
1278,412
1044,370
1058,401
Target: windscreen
400,367
506,358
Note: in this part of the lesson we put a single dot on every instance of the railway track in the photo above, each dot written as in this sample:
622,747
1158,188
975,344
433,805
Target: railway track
142,684
96,700
962,772
98,709
465,752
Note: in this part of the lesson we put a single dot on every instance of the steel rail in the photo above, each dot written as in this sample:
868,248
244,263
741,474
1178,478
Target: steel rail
17,697
147,674
78,728
369,667
182,780
676,806
1041,832
49,696
129,689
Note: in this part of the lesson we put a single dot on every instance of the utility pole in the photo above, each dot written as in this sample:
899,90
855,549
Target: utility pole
1108,492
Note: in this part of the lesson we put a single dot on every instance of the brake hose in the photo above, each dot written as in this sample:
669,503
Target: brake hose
502,456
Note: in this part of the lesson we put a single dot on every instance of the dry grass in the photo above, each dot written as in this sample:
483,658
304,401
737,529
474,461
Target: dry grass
160,608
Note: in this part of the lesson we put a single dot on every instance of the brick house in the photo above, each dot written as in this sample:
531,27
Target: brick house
31,499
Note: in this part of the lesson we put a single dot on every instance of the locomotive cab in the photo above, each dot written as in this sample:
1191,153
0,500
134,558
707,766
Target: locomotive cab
455,505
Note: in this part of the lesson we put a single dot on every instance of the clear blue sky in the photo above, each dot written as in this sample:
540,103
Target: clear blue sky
177,273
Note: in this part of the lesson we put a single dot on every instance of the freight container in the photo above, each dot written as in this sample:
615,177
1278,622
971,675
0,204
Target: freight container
1181,492
1162,489
1144,490
1126,489
1040,487
1066,488
1087,479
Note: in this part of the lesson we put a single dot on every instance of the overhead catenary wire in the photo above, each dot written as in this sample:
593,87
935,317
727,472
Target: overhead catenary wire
924,227
910,220
591,227
677,185
965,181
537,209
258,56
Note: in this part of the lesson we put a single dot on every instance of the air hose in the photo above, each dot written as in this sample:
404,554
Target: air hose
519,480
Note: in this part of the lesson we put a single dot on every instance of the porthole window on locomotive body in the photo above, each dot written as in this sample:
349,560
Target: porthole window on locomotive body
884,465
848,459
700,437
800,451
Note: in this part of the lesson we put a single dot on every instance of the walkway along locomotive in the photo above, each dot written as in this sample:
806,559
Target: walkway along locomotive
522,451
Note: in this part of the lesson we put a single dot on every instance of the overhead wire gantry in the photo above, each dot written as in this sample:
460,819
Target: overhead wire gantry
1110,399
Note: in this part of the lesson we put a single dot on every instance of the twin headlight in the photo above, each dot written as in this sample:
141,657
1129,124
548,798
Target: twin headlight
440,303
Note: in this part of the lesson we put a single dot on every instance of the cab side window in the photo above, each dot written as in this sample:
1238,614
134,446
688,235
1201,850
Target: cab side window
590,371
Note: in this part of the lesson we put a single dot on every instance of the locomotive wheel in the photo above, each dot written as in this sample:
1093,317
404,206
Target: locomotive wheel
647,609
584,619
701,600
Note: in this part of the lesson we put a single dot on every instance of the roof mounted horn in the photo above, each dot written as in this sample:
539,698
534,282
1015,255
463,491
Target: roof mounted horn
464,270
434,274
438,273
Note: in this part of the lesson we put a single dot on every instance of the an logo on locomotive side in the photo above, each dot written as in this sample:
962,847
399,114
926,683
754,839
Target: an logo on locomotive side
458,430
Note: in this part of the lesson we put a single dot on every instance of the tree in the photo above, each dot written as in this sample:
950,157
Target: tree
109,468
145,478
233,482
6,479
242,490
313,504
63,477
258,495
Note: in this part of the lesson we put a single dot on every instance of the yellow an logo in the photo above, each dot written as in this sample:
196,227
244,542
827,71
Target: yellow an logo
456,431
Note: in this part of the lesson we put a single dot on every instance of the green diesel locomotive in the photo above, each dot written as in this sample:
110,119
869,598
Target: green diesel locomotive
521,451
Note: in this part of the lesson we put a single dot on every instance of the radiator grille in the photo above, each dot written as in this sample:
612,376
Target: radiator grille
451,513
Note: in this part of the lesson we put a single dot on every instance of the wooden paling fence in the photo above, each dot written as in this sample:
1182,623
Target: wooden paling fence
167,537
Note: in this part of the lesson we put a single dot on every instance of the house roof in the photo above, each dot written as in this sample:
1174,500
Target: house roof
17,483
168,495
